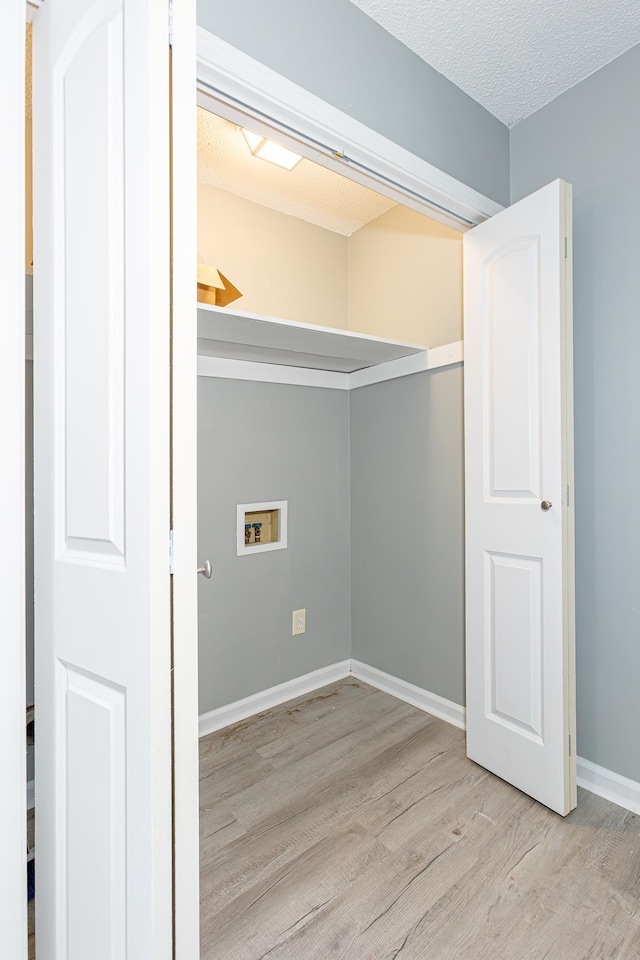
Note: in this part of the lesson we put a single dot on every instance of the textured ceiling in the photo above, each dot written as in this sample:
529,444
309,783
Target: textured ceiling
512,56
309,191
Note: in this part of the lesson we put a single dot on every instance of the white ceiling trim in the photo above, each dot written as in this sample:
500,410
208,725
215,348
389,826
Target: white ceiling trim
251,89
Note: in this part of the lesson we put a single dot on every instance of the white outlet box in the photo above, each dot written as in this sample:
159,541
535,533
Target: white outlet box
273,534
298,622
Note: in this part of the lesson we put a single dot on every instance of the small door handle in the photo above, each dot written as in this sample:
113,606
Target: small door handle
205,570
546,505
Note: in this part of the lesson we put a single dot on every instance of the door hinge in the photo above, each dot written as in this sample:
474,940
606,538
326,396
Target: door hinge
569,744
565,247
567,494
171,554
171,25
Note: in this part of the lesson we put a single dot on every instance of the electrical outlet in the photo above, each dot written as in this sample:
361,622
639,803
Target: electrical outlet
298,622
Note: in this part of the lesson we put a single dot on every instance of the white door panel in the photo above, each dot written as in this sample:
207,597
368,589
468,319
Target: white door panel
514,602
511,359
101,360
519,556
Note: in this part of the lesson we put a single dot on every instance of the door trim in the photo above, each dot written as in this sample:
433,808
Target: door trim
184,410
13,798
245,86
242,87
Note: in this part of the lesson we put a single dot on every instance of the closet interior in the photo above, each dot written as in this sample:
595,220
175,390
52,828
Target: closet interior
315,391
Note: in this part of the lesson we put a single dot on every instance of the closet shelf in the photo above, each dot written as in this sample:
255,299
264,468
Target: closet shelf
235,335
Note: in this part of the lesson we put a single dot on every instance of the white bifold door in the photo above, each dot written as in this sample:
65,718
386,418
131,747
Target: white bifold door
102,480
519,497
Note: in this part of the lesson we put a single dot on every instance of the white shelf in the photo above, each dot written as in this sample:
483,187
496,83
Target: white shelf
234,335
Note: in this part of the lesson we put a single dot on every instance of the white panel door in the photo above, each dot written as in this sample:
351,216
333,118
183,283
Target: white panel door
519,502
101,364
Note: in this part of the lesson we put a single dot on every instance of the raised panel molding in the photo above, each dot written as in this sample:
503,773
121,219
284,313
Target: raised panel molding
511,358
513,691
88,135
91,814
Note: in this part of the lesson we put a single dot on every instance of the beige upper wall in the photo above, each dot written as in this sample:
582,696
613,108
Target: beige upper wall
399,276
285,267
405,279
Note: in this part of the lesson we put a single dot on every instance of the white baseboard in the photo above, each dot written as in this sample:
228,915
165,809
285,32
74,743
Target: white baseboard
416,696
273,697
31,794
604,783
608,785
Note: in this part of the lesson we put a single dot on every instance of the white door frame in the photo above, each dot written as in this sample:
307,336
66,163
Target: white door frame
13,806
235,85
184,519
243,85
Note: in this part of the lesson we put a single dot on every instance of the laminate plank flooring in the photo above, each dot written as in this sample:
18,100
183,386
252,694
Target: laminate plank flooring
348,824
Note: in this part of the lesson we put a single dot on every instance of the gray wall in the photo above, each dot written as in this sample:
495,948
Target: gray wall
407,527
335,51
404,542
270,442
29,526
590,136
28,485
28,508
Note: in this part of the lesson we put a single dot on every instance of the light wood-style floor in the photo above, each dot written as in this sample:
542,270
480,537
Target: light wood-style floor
349,824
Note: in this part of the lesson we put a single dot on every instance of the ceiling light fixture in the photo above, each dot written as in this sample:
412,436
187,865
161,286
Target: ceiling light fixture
273,152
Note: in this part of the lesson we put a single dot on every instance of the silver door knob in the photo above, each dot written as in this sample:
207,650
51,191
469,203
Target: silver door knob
205,569
546,505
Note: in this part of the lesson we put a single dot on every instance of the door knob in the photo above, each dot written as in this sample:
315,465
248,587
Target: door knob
546,505
205,570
